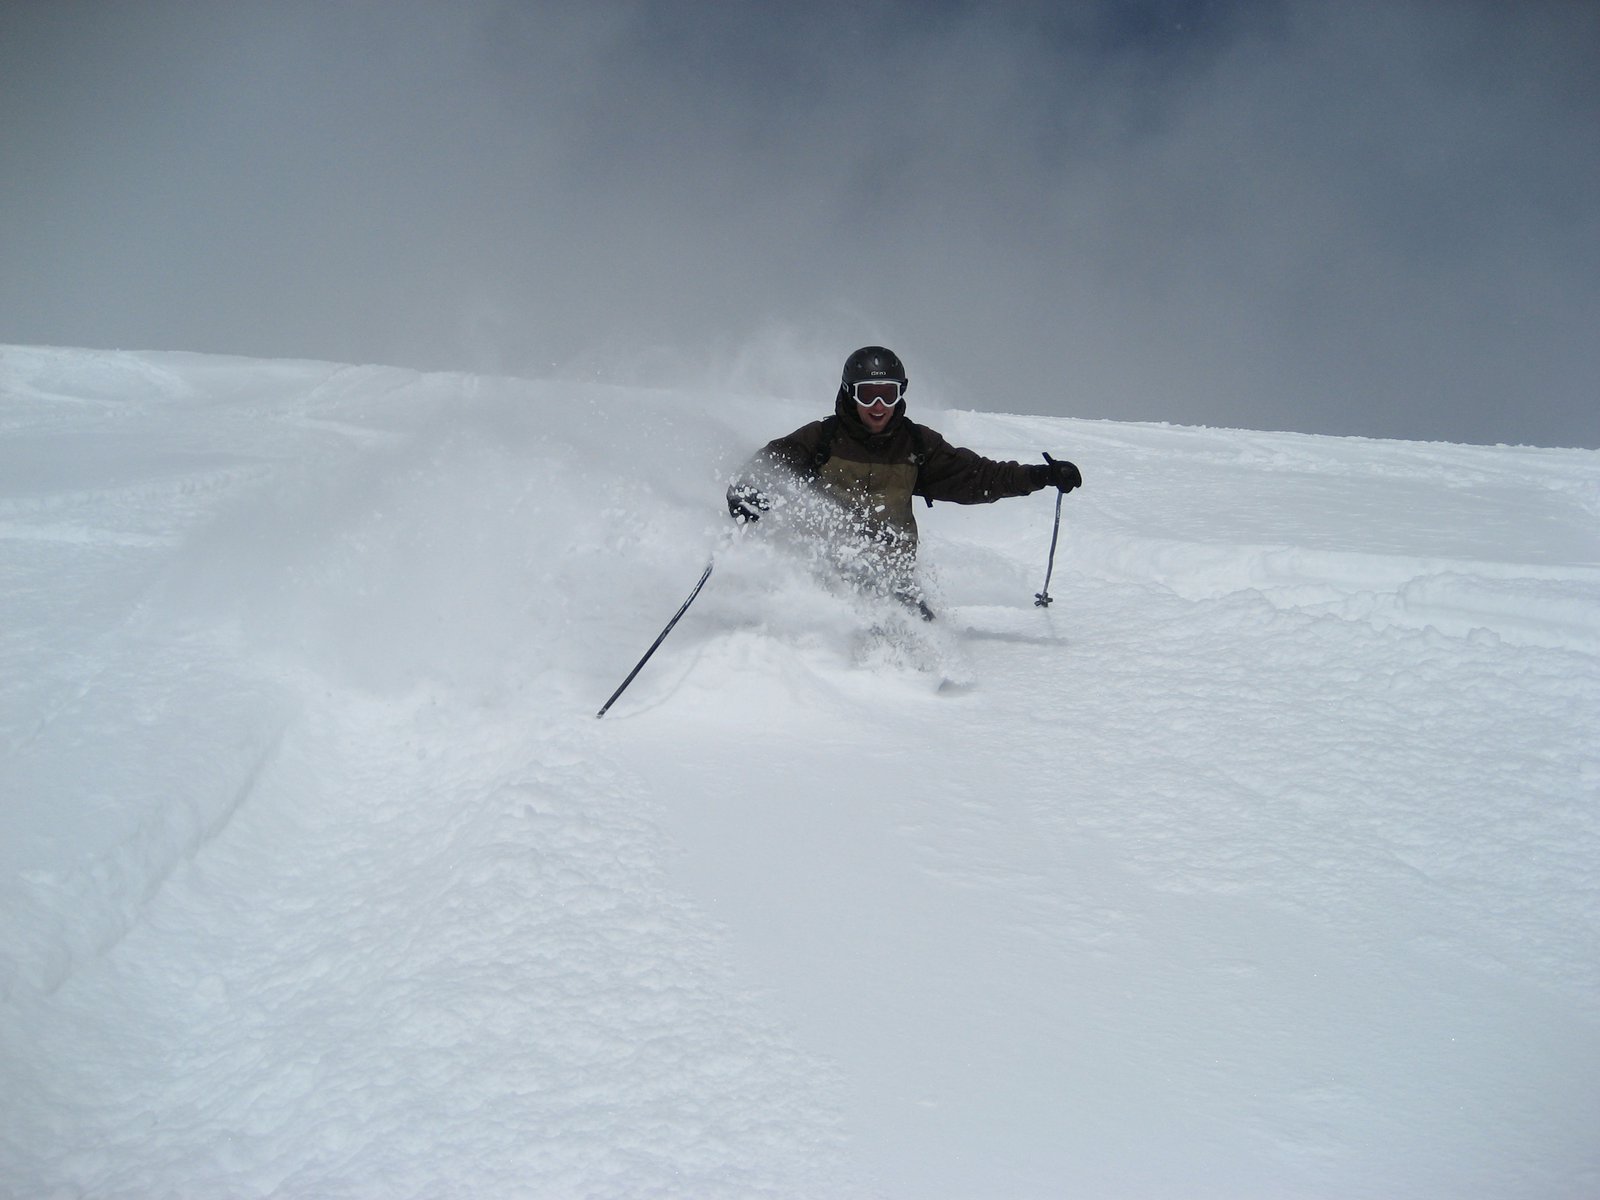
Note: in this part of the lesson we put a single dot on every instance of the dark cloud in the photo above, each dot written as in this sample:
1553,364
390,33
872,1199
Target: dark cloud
1369,218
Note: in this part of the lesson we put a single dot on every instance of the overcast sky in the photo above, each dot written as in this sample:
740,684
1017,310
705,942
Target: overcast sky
1377,218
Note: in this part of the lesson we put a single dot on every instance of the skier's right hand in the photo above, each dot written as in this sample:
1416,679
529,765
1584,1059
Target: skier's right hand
747,503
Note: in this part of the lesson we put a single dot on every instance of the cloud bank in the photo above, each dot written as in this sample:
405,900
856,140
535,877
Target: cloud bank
1369,218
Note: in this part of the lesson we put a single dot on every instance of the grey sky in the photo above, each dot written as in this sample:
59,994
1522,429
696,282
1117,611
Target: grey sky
1376,218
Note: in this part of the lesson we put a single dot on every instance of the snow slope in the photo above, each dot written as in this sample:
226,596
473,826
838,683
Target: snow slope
1266,862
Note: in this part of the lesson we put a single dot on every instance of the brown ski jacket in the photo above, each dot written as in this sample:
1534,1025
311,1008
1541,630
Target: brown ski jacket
872,478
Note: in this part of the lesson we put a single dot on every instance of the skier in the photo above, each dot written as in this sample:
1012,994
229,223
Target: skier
847,481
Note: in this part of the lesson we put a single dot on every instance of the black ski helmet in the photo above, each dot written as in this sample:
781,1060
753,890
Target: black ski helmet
873,362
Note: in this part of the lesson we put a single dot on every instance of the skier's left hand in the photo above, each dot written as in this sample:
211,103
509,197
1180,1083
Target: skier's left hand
1063,475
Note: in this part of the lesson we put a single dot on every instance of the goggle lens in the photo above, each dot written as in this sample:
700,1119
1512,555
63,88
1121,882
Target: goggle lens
871,393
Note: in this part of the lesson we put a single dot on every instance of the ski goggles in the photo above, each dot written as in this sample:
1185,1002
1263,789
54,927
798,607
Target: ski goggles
869,393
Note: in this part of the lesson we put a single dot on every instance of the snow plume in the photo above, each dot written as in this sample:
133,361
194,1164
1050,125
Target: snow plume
1272,842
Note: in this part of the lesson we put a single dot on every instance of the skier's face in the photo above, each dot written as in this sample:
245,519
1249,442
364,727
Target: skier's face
874,416
876,400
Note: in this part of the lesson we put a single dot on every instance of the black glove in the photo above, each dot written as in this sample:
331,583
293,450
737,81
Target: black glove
747,503
1063,475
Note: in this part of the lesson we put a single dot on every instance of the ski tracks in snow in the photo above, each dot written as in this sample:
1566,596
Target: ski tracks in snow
1176,797
437,955
1271,845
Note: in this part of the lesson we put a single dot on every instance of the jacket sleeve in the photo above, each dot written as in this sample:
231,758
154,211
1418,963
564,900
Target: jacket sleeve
960,476
782,462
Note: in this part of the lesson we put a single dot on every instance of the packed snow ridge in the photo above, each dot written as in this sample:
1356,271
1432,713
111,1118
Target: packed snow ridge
1264,862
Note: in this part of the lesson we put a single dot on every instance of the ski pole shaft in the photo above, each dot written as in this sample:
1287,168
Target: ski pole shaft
1041,598
661,637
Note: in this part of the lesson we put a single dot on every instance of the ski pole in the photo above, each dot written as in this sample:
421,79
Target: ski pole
1041,598
661,637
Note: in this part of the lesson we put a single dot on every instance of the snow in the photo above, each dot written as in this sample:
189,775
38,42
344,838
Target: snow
1265,862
